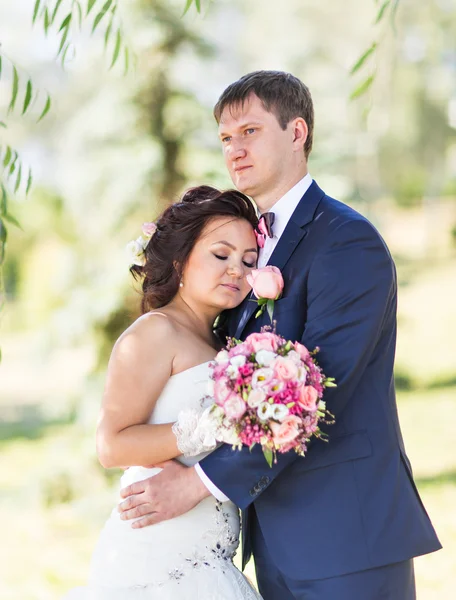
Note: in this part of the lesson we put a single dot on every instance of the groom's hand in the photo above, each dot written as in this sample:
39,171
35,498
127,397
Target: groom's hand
173,492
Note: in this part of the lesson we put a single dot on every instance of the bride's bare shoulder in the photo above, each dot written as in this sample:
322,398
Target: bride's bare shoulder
153,330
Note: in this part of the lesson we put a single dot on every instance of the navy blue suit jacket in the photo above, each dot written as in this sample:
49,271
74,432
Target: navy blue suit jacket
349,504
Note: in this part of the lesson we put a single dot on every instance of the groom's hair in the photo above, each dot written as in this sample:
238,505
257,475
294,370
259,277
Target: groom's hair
281,94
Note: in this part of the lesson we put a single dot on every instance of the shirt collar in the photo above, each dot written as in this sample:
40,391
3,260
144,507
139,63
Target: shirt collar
285,207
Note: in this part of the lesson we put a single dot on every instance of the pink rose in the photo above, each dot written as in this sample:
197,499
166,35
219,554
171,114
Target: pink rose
284,368
308,398
256,397
266,282
221,391
302,351
263,341
243,349
286,431
149,229
234,407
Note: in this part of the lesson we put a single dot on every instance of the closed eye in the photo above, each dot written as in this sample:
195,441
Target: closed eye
249,265
221,257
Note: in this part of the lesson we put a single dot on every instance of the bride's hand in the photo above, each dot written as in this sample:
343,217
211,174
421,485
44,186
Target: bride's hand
173,492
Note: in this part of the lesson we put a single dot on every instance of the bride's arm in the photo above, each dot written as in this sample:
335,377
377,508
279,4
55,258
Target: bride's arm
139,368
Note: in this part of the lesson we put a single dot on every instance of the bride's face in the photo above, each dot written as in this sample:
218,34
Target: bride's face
215,273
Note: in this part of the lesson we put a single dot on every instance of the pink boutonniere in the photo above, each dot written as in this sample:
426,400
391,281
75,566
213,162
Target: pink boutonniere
267,285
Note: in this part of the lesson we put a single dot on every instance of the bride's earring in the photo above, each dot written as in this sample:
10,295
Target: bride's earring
181,284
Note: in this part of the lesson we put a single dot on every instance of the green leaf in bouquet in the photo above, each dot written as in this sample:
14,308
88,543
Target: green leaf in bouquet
46,108
268,456
270,307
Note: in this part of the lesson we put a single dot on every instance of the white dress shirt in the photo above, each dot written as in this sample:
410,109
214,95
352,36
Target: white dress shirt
282,209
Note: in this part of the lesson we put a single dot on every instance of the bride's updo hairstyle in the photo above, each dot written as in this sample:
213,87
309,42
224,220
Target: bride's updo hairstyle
178,229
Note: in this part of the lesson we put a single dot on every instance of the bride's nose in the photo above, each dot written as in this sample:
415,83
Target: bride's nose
235,270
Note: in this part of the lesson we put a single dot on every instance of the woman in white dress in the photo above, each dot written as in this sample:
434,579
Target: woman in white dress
195,267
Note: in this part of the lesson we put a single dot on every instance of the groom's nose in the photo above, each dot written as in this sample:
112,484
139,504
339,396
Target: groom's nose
236,151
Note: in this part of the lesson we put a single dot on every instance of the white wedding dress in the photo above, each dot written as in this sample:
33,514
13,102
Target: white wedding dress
186,558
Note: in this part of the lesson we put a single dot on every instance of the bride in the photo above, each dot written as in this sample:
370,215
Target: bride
195,266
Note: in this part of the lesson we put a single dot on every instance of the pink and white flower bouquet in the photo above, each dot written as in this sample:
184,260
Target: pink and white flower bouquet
268,391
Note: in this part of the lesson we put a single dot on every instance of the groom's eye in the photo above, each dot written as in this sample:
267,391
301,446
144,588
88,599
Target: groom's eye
250,130
226,139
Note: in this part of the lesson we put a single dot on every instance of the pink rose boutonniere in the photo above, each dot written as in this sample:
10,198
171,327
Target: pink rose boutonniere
267,285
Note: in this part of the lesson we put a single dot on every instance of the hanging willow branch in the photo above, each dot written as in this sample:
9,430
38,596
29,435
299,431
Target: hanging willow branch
387,10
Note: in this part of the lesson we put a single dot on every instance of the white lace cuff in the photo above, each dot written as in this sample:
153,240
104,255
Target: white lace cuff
194,431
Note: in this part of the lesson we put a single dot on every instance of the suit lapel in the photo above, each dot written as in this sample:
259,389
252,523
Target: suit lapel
294,232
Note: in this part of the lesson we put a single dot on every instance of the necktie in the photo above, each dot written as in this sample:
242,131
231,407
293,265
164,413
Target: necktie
264,228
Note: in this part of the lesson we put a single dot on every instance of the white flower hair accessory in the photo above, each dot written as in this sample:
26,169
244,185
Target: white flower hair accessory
136,248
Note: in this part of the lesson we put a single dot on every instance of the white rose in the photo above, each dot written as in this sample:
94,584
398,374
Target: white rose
256,397
232,371
222,357
135,251
294,356
238,361
279,411
265,357
264,411
302,374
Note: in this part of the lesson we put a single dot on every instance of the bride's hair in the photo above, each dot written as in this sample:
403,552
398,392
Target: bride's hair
178,229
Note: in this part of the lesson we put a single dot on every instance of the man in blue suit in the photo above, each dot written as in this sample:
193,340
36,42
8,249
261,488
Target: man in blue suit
345,522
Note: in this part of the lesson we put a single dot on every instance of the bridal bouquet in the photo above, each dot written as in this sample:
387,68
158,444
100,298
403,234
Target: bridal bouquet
268,391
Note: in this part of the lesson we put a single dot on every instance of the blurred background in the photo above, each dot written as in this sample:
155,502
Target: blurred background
115,148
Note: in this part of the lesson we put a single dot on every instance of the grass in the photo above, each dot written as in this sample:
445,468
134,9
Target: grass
52,541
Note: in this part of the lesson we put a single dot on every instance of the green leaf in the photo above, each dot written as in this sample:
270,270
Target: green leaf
13,164
270,308
63,41
46,21
56,8
4,201
15,89
90,4
18,179
363,87
381,12
359,63
35,10
64,53
28,96
78,6
107,33
101,14
12,220
268,456
29,182
46,108
198,5
8,155
2,124
115,56
66,22
187,6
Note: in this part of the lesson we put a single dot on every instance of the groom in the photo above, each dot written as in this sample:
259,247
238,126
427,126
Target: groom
344,522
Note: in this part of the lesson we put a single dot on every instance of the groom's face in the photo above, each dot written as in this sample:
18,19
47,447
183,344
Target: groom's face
258,152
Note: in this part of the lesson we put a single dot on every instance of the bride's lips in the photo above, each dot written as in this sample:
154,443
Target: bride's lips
231,286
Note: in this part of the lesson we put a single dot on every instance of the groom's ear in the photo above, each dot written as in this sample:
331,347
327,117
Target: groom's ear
300,132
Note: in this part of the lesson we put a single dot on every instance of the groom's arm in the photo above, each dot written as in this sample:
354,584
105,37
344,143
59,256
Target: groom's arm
351,292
